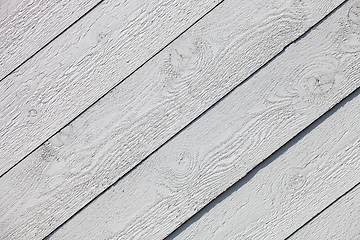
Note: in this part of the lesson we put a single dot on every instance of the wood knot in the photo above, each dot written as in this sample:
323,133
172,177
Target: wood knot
190,55
31,116
319,84
178,165
183,160
354,13
32,113
294,180
47,152
102,36
183,57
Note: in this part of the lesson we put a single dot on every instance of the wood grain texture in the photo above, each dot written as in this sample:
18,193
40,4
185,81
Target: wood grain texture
339,221
81,65
223,145
146,110
291,187
26,26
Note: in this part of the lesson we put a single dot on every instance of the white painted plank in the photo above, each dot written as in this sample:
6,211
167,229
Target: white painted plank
82,64
340,221
289,188
27,26
227,142
146,110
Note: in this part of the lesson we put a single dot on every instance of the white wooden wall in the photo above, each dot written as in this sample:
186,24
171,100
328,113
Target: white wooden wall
179,119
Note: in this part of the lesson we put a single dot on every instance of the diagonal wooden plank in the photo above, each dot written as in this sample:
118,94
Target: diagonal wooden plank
339,221
145,111
27,26
290,187
83,64
222,146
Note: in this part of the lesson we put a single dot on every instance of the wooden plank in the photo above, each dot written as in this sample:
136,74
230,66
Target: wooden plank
143,112
290,187
223,145
27,26
81,65
339,221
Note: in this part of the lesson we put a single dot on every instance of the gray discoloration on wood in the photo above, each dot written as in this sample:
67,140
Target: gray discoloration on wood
341,220
151,106
81,65
226,143
26,26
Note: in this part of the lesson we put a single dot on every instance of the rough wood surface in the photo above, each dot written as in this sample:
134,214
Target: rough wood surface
223,145
147,109
339,221
291,187
82,64
26,26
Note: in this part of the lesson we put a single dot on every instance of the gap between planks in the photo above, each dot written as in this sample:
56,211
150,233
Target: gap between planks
344,213
266,162
202,114
28,56
167,45
73,118
323,210
321,114
285,45
234,193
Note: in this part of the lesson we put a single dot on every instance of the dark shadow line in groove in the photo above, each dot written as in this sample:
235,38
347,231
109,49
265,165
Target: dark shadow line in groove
312,125
267,161
47,44
140,66
203,113
328,206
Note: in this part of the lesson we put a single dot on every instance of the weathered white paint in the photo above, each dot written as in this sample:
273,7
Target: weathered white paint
340,221
291,187
82,64
26,26
227,142
141,113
